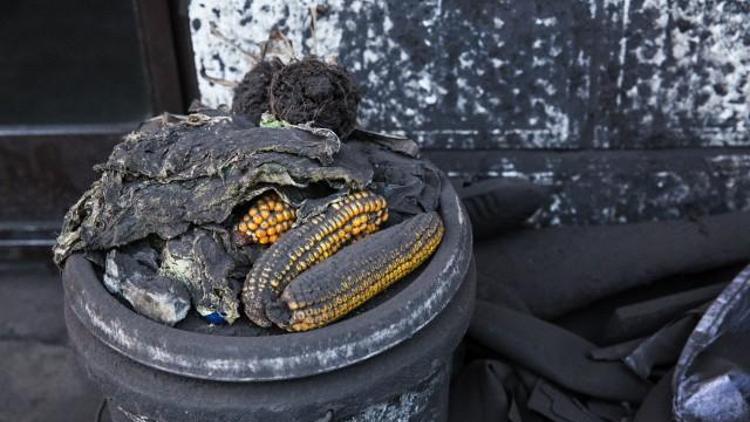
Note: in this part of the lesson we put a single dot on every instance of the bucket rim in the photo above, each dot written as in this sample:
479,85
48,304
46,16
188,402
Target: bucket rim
283,356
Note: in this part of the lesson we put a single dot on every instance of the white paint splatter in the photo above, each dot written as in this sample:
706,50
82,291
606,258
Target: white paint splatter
701,76
623,48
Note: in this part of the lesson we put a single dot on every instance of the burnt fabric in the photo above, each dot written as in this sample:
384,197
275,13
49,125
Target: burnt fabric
640,312
644,317
635,322
177,172
661,348
657,407
494,390
560,406
553,353
556,270
487,391
498,205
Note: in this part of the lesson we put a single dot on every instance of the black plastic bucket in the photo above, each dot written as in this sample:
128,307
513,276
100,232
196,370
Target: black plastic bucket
391,362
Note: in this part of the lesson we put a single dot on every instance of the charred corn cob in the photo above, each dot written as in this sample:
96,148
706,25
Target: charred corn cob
266,220
338,285
355,215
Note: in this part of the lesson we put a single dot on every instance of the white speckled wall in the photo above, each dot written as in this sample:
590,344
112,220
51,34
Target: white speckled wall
511,77
531,74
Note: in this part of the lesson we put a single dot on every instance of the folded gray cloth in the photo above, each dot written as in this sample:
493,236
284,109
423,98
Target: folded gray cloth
556,270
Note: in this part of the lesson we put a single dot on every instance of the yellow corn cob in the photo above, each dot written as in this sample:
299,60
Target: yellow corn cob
302,247
266,220
358,272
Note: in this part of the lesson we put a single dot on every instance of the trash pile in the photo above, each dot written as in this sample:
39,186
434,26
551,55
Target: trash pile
269,213
643,322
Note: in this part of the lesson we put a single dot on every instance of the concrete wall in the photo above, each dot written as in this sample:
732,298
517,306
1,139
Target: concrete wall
507,81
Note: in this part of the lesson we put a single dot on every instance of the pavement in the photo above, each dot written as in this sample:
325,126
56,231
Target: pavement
39,377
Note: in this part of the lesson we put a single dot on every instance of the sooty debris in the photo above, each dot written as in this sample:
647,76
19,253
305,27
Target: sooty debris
199,260
131,273
181,183
251,95
310,90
